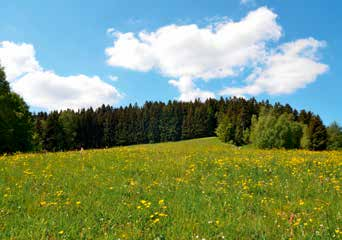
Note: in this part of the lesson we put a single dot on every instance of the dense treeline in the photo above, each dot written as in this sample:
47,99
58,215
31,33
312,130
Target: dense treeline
153,122
107,126
234,120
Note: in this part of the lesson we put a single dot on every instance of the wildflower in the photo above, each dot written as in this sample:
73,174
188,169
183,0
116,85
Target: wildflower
59,193
156,220
161,202
297,222
61,232
28,172
78,202
301,202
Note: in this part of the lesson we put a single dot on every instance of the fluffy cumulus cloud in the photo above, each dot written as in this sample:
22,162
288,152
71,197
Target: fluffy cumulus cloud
45,89
290,67
188,91
189,53
18,59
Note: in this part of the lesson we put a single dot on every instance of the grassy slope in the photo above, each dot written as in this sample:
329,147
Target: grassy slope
186,190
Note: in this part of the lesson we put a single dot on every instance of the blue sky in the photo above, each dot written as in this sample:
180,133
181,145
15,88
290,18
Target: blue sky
69,39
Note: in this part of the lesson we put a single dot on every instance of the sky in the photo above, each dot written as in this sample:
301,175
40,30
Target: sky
73,54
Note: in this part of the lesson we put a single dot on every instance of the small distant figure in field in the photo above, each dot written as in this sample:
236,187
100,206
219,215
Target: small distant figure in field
81,152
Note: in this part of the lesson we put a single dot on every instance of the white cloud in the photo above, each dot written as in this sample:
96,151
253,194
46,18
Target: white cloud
216,51
188,91
223,49
18,59
45,89
290,67
110,30
188,50
130,53
48,90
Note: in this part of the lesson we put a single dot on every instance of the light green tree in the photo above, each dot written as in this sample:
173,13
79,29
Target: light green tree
270,131
334,136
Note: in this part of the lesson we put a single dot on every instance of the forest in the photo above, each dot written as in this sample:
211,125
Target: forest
235,120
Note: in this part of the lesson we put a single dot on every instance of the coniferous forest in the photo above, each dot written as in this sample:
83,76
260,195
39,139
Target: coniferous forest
236,120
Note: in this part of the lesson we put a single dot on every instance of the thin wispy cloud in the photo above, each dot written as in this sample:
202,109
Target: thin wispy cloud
247,2
113,78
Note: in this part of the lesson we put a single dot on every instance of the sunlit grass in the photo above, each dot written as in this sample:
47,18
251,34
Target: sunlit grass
198,189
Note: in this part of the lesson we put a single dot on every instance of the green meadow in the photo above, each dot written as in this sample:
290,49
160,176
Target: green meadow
196,189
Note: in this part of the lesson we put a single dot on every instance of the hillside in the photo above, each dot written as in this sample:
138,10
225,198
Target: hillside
195,189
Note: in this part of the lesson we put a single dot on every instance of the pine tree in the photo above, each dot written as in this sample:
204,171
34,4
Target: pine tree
54,135
4,85
317,134
187,126
67,120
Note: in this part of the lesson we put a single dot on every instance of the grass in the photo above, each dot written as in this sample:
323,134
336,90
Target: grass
197,189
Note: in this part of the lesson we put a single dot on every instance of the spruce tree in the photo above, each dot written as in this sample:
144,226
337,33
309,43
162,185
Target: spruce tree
317,134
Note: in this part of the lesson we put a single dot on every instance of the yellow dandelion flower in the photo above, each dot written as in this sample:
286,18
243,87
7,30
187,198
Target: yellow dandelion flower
59,193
